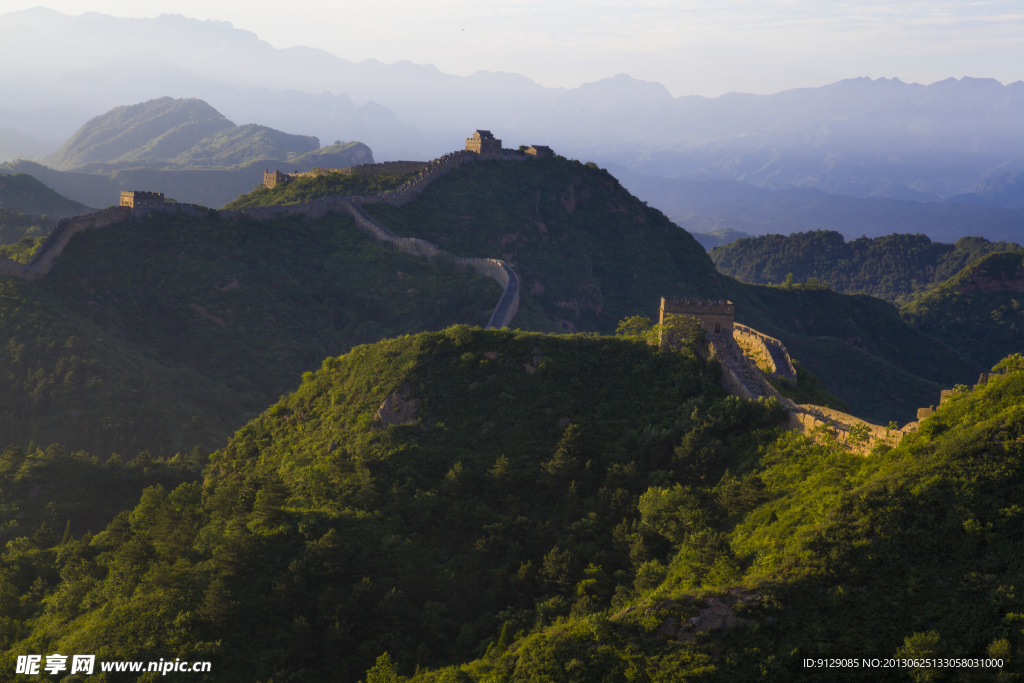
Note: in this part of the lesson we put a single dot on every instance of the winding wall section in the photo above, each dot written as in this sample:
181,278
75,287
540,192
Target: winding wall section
508,304
742,377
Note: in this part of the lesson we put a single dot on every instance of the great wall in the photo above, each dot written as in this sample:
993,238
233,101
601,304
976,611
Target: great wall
136,205
746,355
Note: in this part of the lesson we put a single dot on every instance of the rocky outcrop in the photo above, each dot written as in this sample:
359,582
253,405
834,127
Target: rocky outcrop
399,408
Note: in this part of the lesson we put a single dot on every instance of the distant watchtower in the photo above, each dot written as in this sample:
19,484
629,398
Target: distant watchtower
540,151
270,180
483,142
137,199
141,203
716,315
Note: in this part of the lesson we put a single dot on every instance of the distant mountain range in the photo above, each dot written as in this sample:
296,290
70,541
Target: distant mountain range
24,194
172,134
960,139
184,148
703,206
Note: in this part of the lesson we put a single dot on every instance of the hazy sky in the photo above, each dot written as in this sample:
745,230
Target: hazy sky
702,47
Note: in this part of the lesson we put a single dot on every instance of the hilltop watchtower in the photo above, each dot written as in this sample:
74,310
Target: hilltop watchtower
540,151
138,199
483,142
271,179
716,316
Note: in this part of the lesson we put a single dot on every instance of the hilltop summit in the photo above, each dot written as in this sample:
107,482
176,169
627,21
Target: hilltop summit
173,133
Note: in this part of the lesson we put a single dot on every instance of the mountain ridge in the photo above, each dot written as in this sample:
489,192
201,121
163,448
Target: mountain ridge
539,500
166,133
543,214
184,148
942,141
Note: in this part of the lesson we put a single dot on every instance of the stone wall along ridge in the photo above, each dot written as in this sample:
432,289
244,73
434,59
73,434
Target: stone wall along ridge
508,304
504,275
382,168
742,377
52,247
773,351
44,258
805,417
496,269
432,170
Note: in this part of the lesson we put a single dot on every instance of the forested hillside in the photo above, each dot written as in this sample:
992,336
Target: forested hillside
497,505
169,132
182,147
895,268
477,504
411,496
981,308
170,333
805,552
21,193
16,226
590,254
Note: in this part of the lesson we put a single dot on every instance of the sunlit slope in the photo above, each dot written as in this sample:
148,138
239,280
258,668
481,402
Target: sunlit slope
410,496
809,553
980,310
496,504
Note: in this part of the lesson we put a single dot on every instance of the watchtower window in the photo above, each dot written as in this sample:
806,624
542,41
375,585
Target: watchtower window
718,328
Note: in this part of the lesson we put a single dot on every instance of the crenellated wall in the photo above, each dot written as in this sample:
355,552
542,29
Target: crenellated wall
806,417
382,168
438,168
386,168
716,316
772,351
504,275
410,245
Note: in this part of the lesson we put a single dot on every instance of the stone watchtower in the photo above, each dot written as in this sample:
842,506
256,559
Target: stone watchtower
140,202
716,316
483,142
270,180
137,199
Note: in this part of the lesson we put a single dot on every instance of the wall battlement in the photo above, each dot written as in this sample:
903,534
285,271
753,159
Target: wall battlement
55,242
852,432
771,353
272,179
946,394
716,316
275,178
141,198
